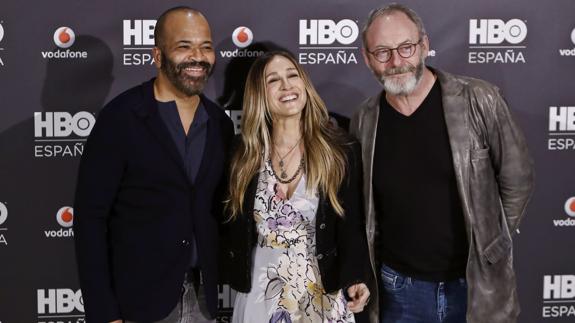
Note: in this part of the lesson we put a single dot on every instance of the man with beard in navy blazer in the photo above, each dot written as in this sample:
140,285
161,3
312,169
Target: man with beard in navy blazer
148,197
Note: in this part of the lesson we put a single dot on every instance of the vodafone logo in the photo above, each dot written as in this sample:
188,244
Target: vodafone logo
569,206
569,51
3,213
65,216
242,37
64,37
572,35
1,32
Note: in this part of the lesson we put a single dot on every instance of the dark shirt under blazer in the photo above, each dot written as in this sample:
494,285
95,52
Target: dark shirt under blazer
191,147
135,208
341,245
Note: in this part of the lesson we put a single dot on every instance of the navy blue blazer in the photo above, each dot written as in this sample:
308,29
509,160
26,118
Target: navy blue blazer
135,210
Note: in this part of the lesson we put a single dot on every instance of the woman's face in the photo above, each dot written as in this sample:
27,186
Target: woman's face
285,88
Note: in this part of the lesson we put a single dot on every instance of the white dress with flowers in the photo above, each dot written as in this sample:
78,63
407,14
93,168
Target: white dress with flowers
286,283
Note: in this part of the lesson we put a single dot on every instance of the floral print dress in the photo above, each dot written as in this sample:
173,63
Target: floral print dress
286,283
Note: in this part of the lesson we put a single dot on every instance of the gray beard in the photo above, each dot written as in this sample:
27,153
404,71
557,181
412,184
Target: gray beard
398,87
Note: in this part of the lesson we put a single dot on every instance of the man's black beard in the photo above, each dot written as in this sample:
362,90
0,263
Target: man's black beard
189,85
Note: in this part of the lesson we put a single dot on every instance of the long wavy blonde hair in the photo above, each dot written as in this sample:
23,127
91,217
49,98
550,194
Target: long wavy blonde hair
325,159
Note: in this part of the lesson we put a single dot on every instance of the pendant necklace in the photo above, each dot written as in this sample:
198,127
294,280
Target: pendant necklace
281,163
283,180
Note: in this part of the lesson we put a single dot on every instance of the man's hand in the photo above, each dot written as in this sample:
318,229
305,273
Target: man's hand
359,295
117,321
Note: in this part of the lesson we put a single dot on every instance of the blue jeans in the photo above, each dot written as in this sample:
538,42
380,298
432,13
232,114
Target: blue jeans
407,300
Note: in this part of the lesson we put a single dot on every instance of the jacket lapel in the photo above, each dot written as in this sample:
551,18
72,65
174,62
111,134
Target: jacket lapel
369,133
456,120
369,126
457,124
148,111
213,139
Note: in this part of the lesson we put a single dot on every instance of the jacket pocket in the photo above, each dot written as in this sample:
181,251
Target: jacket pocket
497,249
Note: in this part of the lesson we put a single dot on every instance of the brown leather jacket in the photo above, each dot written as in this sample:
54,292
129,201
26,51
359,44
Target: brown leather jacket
494,175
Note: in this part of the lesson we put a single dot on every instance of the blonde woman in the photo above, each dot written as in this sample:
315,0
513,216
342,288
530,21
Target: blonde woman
296,249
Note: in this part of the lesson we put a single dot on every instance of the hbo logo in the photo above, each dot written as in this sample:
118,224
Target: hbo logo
559,287
141,32
496,31
59,301
326,32
63,124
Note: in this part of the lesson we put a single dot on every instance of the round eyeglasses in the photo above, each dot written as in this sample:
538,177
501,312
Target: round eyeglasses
383,55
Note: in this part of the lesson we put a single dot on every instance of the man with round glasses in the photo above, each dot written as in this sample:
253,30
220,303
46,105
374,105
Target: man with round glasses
447,177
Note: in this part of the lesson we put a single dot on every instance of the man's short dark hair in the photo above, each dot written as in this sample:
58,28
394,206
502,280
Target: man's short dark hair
161,22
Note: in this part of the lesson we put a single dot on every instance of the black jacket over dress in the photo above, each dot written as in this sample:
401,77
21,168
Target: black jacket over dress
136,210
341,245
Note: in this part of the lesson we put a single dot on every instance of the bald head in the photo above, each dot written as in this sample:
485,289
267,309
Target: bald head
172,15
184,53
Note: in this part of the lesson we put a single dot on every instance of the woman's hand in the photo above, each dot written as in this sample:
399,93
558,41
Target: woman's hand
359,297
